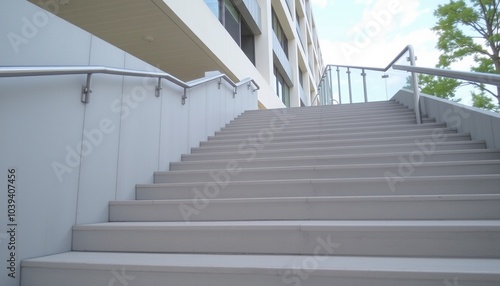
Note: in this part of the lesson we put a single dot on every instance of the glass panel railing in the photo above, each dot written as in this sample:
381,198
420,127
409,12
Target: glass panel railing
353,84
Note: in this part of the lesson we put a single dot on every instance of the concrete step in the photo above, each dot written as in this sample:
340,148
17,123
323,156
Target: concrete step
325,143
317,131
290,127
250,152
365,135
307,111
415,238
397,157
145,269
419,168
430,207
323,118
393,184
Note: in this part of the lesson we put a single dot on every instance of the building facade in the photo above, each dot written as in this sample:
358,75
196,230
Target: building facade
274,42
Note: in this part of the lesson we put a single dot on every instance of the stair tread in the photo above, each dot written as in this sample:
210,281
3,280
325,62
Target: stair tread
345,166
339,156
374,140
312,181
344,147
320,199
270,264
437,152
303,225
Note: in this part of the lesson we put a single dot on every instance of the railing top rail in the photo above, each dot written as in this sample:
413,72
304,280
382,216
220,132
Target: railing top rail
68,70
405,50
478,77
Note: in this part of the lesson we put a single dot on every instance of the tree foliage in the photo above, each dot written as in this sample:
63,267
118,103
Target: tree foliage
467,29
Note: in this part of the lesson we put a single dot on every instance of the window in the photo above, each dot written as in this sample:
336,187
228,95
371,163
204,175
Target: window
231,19
282,89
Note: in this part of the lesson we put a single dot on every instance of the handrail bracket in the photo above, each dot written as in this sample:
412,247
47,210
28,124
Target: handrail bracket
184,96
86,91
158,88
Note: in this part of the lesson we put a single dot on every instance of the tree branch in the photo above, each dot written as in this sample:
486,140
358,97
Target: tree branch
478,85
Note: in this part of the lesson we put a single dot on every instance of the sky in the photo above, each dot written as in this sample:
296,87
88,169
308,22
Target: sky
372,32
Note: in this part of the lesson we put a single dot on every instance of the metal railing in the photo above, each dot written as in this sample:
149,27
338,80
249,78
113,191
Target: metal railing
90,70
325,87
478,77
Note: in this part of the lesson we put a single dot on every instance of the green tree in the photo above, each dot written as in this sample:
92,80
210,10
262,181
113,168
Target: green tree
467,29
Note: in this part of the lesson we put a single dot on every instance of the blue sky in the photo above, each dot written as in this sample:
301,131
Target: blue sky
372,32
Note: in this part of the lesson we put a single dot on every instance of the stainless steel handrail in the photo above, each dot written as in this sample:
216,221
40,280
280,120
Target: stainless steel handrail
90,70
478,77
408,49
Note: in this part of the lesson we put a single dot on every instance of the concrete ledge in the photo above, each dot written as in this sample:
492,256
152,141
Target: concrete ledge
481,124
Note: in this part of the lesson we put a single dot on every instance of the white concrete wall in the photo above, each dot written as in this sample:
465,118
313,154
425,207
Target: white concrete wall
73,158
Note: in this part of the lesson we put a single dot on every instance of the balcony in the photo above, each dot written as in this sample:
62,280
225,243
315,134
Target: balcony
282,60
251,13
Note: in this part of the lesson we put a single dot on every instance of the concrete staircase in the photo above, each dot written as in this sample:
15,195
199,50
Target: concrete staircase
343,195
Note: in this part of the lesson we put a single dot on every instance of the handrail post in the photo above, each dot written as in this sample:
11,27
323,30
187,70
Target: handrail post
349,82
330,84
364,84
338,81
416,91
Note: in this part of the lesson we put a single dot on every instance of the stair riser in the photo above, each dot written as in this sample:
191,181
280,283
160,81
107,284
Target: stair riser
326,131
251,153
319,161
307,188
345,136
403,169
270,145
438,209
353,241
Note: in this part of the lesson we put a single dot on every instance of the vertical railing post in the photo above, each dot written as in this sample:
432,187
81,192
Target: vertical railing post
330,83
416,91
364,84
349,82
338,82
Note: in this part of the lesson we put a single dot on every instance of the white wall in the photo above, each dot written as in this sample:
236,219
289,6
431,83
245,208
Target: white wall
125,133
